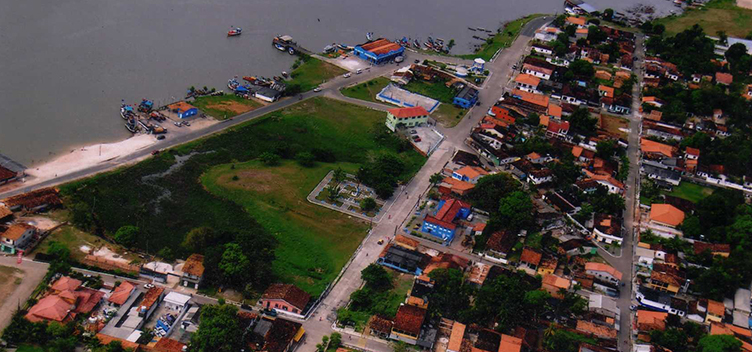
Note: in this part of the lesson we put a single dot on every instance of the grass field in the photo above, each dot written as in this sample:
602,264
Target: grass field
312,239
29,348
166,199
225,106
436,90
366,91
716,15
448,115
501,40
312,72
690,191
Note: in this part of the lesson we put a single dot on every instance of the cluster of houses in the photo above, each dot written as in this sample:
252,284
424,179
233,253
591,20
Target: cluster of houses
16,234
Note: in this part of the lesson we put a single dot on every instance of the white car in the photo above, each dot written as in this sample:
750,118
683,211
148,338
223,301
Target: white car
346,75
317,89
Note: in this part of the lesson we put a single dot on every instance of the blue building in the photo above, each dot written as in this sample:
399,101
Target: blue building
402,259
379,51
442,225
183,109
466,98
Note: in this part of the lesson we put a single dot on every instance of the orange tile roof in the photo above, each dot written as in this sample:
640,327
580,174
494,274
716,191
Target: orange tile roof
406,241
405,113
608,90
728,329
455,339
409,319
597,330
603,267
380,46
181,106
288,293
556,281
583,31
458,185
554,110
580,21
472,171
607,178
121,293
725,78
151,297
194,265
544,120
655,320
168,345
4,211
716,308
66,283
15,231
533,156
532,98
654,115
528,79
577,151
666,214
52,308
692,151
510,344
648,146
531,256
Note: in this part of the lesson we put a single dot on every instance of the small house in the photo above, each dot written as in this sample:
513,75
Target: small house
407,117
183,109
17,237
285,298
603,272
193,271
466,98
407,324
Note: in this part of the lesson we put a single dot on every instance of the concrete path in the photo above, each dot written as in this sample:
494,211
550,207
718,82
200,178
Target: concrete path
33,274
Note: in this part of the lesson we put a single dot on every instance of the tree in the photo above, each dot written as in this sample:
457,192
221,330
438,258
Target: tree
536,302
451,295
582,69
566,171
607,203
722,37
376,277
218,330
532,119
368,204
305,159
559,21
691,227
582,122
269,158
719,343
198,239
490,189
127,235
234,265
608,14
338,175
516,211
293,89
659,29
436,178
606,148
167,254
332,192
596,35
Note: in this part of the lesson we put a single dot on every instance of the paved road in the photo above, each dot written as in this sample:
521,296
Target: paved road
323,317
33,274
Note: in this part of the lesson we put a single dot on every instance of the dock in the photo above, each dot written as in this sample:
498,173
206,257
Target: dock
11,165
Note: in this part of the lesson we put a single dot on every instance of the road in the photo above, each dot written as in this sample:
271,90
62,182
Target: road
33,274
624,263
323,317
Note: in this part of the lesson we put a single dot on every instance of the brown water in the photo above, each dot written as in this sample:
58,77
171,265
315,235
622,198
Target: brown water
65,65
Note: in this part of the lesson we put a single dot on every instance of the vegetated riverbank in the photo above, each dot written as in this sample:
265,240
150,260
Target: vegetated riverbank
502,39
715,16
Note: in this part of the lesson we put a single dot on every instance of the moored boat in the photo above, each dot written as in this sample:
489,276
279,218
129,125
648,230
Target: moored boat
126,111
235,32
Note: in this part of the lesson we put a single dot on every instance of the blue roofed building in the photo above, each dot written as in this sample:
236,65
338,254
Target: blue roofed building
466,98
379,51
401,259
442,224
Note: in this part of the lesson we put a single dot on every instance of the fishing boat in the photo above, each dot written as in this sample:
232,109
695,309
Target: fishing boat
277,78
126,111
416,43
285,74
235,32
232,83
471,28
131,125
369,36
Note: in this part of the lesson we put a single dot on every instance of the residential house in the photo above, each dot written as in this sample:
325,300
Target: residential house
278,335
5,213
34,201
121,293
530,259
547,34
464,158
401,259
67,300
603,305
542,70
380,327
500,243
541,48
539,177
607,229
7,175
557,128
580,22
666,215
16,237
612,184
531,102
583,155
604,272
716,311
660,301
451,185
743,335
547,266
715,249
605,91
748,92
656,150
407,117
527,82
442,224
604,75
724,78
600,331
285,298
502,114
456,337
575,246
618,105
648,320
183,109
165,344
742,307
193,271
466,98
553,284
408,323
652,101
469,174
660,172
664,282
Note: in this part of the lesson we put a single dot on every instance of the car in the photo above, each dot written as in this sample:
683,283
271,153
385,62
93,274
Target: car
359,71
632,307
346,75
413,132
148,286
317,89
160,137
381,241
186,123
470,217
155,152
417,61
269,312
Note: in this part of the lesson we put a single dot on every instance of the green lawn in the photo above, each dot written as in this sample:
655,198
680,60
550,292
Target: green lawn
448,115
29,348
225,106
690,191
312,72
366,91
167,205
436,90
501,40
716,15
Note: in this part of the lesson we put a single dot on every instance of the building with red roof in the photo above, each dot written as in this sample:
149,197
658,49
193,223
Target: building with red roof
378,51
67,299
121,293
442,224
407,117
408,323
285,298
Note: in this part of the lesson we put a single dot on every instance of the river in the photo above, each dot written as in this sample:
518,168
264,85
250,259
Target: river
65,65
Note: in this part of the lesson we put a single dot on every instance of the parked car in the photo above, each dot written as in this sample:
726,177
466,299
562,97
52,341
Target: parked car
359,71
417,226
381,241
155,152
160,137
413,132
346,75
270,312
148,286
317,89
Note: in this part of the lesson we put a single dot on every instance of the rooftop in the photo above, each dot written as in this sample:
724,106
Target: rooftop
593,266
666,214
288,293
15,231
194,265
409,319
380,46
405,113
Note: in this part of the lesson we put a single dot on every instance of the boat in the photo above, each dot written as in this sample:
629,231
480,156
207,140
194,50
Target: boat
416,43
369,36
145,105
285,74
126,111
249,78
471,28
235,32
277,78
232,83
329,48
131,126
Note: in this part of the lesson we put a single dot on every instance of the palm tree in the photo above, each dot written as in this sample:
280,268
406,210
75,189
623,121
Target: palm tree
436,178
338,175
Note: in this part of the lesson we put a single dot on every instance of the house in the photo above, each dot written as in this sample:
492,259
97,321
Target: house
604,75
67,300
656,150
401,259
576,246
278,335
553,284
652,101
527,82
500,243
176,301
715,249
34,201
503,114
666,215
441,225
5,213
451,185
169,345
380,327
285,298
456,337
580,22
121,293
612,184
664,282
654,115
51,308
617,105
469,174
183,109
547,34
648,320
600,331
8,175
407,324
464,158
607,229
466,98
542,49
402,76
16,237
193,271
538,70
378,51
150,302
530,259
716,312
660,301
603,272
724,78
742,307
605,91
557,128
407,117
547,266
603,305
267,94
538,177
743,335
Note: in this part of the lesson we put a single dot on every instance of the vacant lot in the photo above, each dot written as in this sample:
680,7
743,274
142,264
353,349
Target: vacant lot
225,106
312,72
366,91
436,90
10,278
166,198
448,115
717,15
690,191
613,125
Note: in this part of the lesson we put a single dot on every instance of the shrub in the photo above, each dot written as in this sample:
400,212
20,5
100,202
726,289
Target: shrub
305,159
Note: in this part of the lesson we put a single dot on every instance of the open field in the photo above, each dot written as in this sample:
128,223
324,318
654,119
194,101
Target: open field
225,106
29,348
312,239
690,191
366,91
501,40
165,198
448,115
10,278
716,15
312,72
435,90
612,125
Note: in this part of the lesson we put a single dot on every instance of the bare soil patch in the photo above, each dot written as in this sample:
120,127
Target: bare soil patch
231,106
10,278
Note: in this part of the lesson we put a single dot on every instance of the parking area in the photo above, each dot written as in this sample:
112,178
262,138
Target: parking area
425,138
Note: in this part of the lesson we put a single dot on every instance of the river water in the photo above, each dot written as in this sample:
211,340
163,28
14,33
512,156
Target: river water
65,65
